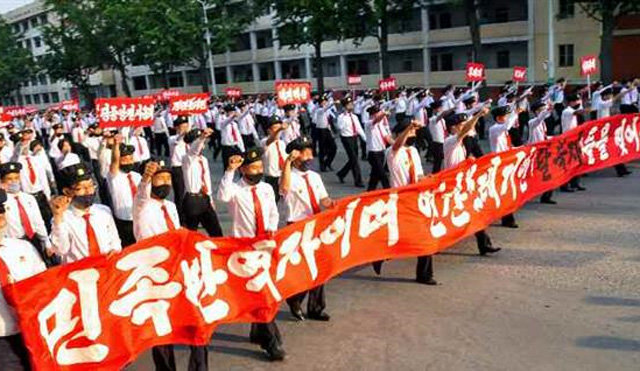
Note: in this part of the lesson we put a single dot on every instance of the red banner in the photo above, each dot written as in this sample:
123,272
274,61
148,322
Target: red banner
15,111
292,92
118,112
233,92
165,95
189,104
354,80
388,84
588,65
178,287
474,72
67,105
519,74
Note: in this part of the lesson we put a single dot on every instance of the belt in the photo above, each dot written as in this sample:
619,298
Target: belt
196,195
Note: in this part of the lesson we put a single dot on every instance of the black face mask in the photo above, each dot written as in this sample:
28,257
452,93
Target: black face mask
575,106
161,191
253,179
84,201
410,141
127,168
305,165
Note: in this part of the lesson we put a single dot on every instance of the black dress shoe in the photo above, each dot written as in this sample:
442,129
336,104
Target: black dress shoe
377,267
512,225
297,314
359,185
329,167
548,202
341,179
628,172
322,316
489,250
429,281
580,188
567,189
275,353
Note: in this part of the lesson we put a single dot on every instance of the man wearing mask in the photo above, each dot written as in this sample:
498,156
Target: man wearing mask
274,154
350,130
569,119
123,183
304,194
254,213
81,228
19,260
178,151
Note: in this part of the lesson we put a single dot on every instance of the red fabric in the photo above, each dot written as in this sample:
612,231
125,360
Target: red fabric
32,172
132,186
167,218
257,207
353,124
312,196
280,157
234,133
412,167
251,277
189,104
4,273
292,92
204,190
121,112
24,219
139,145
92,241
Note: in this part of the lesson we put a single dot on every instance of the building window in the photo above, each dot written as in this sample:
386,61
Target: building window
242,42
502,15
34,22
442,62
36,99
45,98
267,71
220,74
292,69
194,78
27,44
37,41
25,26
42,79
412,23
566,55
242,73
264,39
16,28
175,80
503,59
55,98
566,9
139,83
405,61
27,99
330,67
440,20
43,18
363,64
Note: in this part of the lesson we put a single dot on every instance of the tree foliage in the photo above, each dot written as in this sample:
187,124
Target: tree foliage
16,63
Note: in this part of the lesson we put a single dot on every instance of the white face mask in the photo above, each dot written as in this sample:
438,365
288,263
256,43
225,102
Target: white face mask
13,187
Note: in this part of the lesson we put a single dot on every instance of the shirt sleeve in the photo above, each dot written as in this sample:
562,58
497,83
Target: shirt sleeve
114,243
274,217
227,187
322,191
60,237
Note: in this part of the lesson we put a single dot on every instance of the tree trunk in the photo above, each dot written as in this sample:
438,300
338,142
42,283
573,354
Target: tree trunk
122,68
471,10
317,61
383,40
606,42
165,78
203,75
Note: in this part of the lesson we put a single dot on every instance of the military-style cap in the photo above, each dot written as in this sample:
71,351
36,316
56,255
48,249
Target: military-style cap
253,155
34,143
10,167
126,149
501,111
274,120
26,130
241,104
74,174
192,135
163,166
401,126
537,105
289,107
572,97
229,107
436,104
56,126
180,120
3,199
455,119
469,100
15,137
346,101
299,144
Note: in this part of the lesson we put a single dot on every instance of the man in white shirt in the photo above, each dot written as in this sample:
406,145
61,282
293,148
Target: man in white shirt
231,138
350,130
500,141
81,228
123,183
569,121
18,260
254,213
275,154
378,139
178,151
293,129
629,103
557,98
438,131
35,179
141,151
304,194
247,126
327,149
67,157
160,131
603,108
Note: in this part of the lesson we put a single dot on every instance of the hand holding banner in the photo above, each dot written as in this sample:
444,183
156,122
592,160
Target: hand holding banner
474,72
292,92
189,104
118,112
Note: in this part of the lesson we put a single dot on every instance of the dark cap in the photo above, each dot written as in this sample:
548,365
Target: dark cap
455,119
274,120
74,174
56,126
346,101
126,149
163,166
501,111
299,144
436,104
572,97
3,199
10,167
469,100
537,105
26,130
289,107
192,135
34,143
180,120
229,107
252,155
401,126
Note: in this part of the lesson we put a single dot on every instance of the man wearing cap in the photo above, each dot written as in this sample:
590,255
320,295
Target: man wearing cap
26,137
304,195
36,180
327,150
160,131
292,130
67,157
254,213
78,135
178,152
56,136
569,120
350,129
23,214
557,98
198,204
140,145
18,260
123,183
81,228
378,139
275,154
538,133
247,126
438,131
231,139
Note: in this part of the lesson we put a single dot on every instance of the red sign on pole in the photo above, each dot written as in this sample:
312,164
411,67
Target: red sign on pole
588,65
233,92
165,95
189,104
519,74
354,80
118,112
15,111
474,72
292,92
67,105
388,84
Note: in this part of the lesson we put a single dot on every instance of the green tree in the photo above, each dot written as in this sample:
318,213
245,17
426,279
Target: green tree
607,12
16,63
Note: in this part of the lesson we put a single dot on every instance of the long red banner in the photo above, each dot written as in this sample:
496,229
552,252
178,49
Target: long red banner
118,112
177,287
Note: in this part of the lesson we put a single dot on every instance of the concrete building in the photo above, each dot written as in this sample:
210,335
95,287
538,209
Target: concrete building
431,48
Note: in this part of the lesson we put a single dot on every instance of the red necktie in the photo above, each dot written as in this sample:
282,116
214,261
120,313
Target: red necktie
132,186
353,124
167,218
384,137
425,119
234,133
508,139
312,196
4,274
139,146
280,158
444,129
24,219
92,241
257,207
412,167
204,190
32,172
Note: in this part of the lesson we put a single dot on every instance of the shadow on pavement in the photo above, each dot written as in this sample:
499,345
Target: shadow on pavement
240,352
612,301
609,343
545,258
377,278
630,319
230,337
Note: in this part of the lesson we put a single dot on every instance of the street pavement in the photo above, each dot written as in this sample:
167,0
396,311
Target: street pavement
563,294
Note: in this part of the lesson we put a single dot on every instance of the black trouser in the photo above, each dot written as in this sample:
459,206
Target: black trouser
177,180
160,143
315,138
573,183
424,268
628,108
81,151
43,138
198,210
248,141
422,141
480,128
13,353
483,240
508,220
125,231
350,145
327,151
546,197
227,151
216,142
377,174
265,334
274,182
437,150
45,209
472,146
400,117
165,360
315,304
558,108
621,169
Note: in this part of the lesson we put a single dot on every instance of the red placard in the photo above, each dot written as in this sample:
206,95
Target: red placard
5,118
519,74
118,112
588,65
292,92
388,84
189,104
15,111
165,95
354,80
233,92
179,286
67,105
474,72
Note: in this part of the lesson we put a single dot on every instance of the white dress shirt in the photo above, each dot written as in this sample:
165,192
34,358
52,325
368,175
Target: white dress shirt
41,183
159,125
499,134
538,127
120,190
93,146
70,240
239,197
454,151
6,153
22,261
346,123
247,126
376,134
230,133
399,165
193,165
149,216
141,148
104,160
178,150
569,119
297,199
15,229
437,128
292,131
67,160
272,155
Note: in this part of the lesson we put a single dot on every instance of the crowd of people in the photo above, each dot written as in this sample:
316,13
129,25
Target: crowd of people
54,166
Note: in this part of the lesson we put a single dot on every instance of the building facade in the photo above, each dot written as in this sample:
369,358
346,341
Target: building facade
431,48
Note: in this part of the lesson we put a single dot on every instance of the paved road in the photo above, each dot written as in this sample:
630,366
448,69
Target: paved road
564,294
